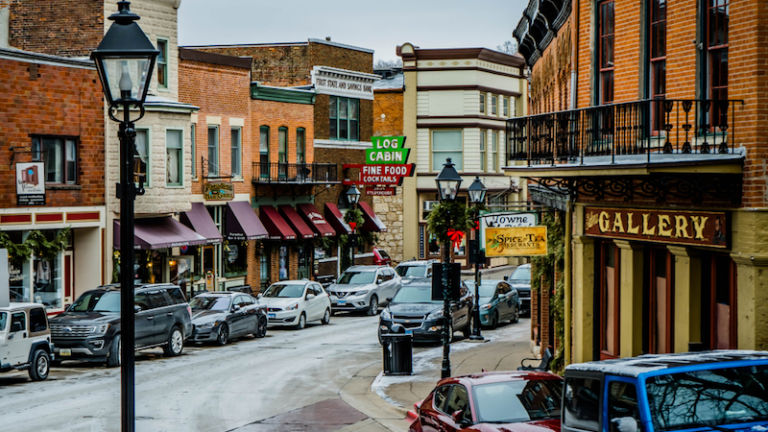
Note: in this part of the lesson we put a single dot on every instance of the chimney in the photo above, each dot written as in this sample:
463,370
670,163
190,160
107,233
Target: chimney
328,38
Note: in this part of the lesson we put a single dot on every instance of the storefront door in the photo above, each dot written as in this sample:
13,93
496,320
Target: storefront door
719,287
608,284
657,295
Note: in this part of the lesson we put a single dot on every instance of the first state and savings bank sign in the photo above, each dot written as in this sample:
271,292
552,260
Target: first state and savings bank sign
697,228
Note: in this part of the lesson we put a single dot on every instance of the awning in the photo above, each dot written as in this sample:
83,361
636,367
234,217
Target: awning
242,223
159,233
277,227
334,217
295,221
316,220
200,221
372,222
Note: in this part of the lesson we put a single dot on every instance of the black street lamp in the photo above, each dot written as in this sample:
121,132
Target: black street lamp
448,183
353,197
124,60
476,193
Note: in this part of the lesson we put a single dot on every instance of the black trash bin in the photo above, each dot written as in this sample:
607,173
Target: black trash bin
397,349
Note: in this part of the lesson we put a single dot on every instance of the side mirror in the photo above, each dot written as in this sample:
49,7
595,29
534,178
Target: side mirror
389,299
259,296
235,308
624,424
310,296
137,309
458,417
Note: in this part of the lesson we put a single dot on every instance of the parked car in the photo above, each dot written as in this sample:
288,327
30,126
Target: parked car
381,257
492,401
364,288
416,269
25,339
90,328
296,302
222,315
414,310
706,391
521,281
498,302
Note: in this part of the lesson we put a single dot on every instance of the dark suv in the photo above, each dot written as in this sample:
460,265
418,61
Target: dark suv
90,328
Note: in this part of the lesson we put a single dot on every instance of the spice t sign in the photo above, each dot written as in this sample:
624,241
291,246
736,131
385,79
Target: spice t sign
388,150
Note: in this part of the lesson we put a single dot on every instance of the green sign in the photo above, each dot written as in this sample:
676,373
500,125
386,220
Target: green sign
387,150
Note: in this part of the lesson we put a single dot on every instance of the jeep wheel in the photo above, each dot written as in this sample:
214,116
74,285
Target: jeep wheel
113,360
175,344
41,363
222,336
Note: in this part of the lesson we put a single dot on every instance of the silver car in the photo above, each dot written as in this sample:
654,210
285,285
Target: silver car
364,288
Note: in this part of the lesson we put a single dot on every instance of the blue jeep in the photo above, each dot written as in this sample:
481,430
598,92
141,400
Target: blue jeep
724,391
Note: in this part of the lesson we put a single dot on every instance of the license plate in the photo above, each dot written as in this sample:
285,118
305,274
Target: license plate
409,332
271,315
342,302
65,352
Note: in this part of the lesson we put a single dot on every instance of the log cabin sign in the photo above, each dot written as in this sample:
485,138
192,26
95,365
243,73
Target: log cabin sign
661,226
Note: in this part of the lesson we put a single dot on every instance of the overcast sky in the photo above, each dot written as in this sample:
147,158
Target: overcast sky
379,25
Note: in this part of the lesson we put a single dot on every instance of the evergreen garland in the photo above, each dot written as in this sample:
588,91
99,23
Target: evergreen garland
447,215
36,244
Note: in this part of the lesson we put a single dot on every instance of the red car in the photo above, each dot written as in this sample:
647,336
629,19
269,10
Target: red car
493,401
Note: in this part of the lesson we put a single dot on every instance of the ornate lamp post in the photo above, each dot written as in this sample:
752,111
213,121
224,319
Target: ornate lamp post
476,193
353,196
124,60
448,182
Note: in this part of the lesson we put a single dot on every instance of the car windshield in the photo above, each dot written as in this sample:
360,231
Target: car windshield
414,271
487,289
215,303
357,277
285,291
518,401
414,294
3,320
521,275
97,301
711,397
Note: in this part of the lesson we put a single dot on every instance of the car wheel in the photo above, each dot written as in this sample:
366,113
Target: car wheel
373,306
381,341
326,317
222,336
261,327
516,318
302,321
113,360
495,320
175,344
41,364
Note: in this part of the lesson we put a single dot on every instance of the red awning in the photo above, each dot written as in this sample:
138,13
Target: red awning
334,217
316,220
296,222
242,223
372,222
200,221
159,233
277,227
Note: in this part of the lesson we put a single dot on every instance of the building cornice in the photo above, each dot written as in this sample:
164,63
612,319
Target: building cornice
282,94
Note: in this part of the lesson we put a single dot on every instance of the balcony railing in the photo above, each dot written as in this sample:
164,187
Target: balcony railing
293,173
646,127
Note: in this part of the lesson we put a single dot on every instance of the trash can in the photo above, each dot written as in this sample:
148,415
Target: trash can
397,351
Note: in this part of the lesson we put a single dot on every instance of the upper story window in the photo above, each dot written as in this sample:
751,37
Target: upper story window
495,150
447,144
483,96
264,151
505,106
174,165
162,63
658,57
718,16
344,115
193,140
59,155
301,145
141,157
213,150
483,154
494,105
605,25
236,152
282,144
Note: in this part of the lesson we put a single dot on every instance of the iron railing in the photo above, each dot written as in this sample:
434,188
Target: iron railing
307,173
645,127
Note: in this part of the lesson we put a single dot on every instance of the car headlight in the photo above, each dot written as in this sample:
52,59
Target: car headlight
435,314
385,315
206,325
99,329
485,306
292,307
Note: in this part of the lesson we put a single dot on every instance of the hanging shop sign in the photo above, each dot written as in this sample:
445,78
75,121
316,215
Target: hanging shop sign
505,220
380,174
342,82
387,149
661,226
516,241
218,191
380,191
30,184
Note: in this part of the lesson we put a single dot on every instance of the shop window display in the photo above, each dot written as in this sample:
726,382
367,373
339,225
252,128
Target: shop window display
235,263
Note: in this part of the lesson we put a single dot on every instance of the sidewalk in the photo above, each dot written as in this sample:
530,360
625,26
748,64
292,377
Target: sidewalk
387,399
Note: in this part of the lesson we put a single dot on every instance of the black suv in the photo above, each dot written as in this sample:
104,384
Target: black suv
90,327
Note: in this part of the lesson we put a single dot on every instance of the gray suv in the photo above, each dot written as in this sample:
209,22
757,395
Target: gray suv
363,288
90,327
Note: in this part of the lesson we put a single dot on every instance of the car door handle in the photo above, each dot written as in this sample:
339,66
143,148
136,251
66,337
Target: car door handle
169,313
150,318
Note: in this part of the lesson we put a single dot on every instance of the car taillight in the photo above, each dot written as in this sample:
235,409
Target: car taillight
189,310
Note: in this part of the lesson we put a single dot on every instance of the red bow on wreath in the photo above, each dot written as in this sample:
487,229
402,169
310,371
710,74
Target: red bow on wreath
455,237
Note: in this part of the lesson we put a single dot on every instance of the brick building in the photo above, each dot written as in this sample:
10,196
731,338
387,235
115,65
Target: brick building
646,138
52,137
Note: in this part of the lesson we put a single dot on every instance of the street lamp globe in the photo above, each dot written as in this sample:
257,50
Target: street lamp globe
353,195
448,181
125,59
477,191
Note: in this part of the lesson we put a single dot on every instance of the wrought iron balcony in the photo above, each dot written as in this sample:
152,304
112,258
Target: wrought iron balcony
643,131
293,173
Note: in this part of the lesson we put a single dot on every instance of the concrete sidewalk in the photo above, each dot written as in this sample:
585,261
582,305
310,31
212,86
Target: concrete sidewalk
387,399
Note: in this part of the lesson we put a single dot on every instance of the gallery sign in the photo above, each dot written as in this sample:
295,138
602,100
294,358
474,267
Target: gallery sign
30,184
516,241
218,191
661,226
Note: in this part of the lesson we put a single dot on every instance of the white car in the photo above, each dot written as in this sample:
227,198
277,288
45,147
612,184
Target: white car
295,303
25,339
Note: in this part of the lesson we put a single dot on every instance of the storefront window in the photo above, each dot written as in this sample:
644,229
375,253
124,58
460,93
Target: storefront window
148,266
36,280
264,264
305,261
235,263
47,283
19,285
180,269
283,272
